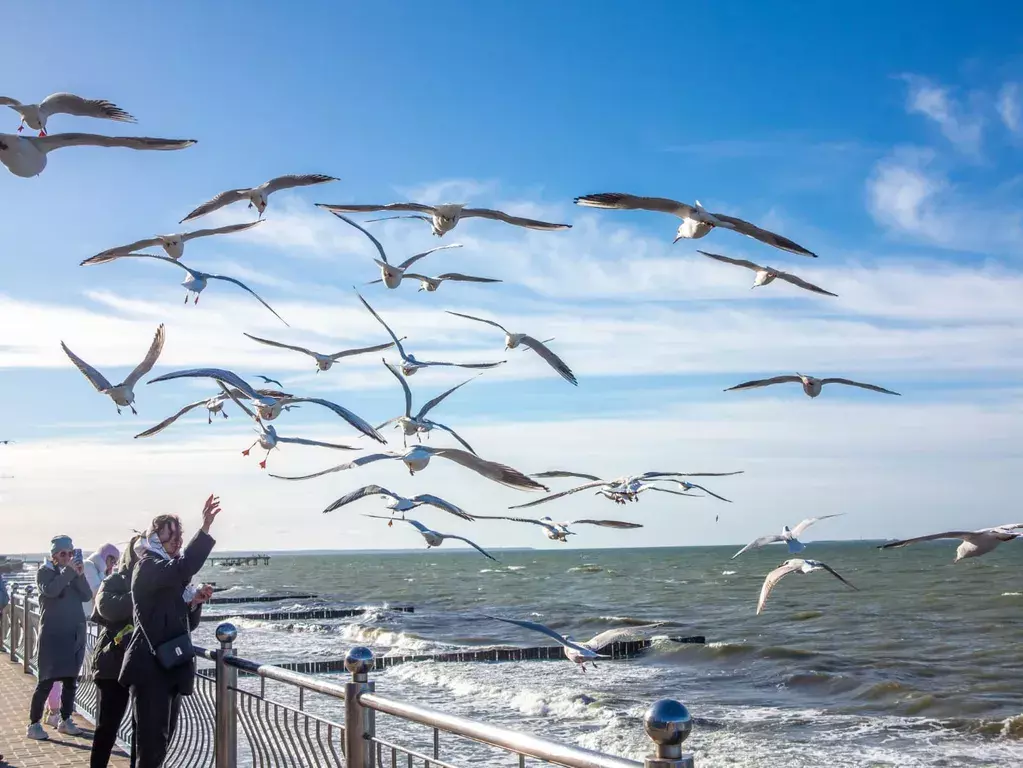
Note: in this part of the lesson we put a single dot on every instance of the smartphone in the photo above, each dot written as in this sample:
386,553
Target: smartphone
77,554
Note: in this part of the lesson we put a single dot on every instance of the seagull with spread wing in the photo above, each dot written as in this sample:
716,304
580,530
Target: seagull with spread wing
213,405
173,245
697,221
811,386
431,284
419,424
788,536
398,503
796,565
580,653
323,362
197,280
35,116
559,531
269,406
268,380
436,538
26,156
268,438
122,394
512,340
620,489
767,275
257,196
391,274
444,218
409,364
974,543
418,457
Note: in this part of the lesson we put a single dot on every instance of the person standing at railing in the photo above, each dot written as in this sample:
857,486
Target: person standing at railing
113,612
62,589
159,664
98,566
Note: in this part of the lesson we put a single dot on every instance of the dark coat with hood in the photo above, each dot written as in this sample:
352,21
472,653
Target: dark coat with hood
112,612
156,588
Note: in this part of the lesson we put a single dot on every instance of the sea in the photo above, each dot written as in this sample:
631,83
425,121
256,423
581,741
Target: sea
921,667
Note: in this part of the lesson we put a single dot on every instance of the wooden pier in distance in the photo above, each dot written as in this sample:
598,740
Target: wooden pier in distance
233,561
258,599
308,614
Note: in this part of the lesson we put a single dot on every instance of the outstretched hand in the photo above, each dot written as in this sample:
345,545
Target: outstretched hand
209,512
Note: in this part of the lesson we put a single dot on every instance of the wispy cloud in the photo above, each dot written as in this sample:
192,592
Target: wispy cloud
959,124
448,191
1009,107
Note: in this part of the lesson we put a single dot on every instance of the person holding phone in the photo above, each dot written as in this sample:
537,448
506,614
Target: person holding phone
159,664
62,590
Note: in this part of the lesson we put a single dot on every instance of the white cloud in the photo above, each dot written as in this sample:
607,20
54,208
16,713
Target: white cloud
886,463
1009,107
448,191
908,196
960,126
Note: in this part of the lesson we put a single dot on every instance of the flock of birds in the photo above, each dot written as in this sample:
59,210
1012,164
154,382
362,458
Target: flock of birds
26,156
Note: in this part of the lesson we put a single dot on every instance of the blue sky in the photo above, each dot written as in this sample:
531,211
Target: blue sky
887,142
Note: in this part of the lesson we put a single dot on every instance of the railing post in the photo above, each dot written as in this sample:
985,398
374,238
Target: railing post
226,750
5,619
360,722
26,634
13,641
668,724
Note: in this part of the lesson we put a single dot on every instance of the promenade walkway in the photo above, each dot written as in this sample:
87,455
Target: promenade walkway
20,752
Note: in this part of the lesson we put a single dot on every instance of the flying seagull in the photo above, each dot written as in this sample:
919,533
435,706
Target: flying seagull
268,380
415,425
559,531
631,491
123,394
431,284
409,364
789,536
697,221
443,218
796,565
36,115
323,362
435,538
213,405
512,340
418,457
618,490
974,543
26,156
811,386
268,437
257,195
173,245
766,275
269,406
197,280
687,486
398,503
391,274
580,653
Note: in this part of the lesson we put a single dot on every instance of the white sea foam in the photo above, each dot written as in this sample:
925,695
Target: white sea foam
728,573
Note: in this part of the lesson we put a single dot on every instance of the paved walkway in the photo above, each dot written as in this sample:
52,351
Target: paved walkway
20,752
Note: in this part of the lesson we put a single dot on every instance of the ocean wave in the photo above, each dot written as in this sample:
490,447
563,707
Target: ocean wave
516,567
1012,594
395,641
728,573
585,568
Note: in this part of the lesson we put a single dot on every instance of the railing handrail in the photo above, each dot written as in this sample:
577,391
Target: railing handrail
495,735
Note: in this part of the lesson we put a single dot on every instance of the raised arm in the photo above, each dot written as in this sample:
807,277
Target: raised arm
52,583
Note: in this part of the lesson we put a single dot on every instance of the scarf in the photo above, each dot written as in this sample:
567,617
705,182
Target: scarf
154,545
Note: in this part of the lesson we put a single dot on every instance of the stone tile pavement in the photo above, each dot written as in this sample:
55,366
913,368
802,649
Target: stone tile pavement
20,752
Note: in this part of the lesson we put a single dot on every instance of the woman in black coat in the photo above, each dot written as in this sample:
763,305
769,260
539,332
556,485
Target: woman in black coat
112,612
165,607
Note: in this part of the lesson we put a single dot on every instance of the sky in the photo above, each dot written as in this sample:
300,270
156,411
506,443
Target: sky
891,149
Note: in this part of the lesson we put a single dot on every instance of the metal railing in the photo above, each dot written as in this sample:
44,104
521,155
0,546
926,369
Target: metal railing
246,713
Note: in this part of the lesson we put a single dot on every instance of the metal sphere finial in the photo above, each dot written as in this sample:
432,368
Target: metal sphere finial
359,660
668,722
227,632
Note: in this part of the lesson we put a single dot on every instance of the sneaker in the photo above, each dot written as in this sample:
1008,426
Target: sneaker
37,732
69,728
53,719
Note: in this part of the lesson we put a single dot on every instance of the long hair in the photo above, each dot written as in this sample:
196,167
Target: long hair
162,521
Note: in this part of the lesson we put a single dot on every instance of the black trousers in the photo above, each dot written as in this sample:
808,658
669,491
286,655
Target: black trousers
67,698
111,703
155,706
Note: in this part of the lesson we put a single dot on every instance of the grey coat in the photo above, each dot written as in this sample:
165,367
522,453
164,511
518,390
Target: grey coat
62,621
